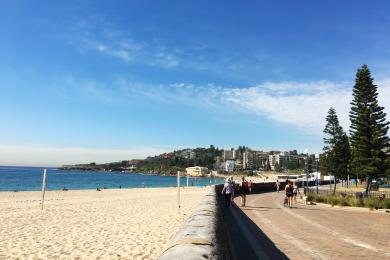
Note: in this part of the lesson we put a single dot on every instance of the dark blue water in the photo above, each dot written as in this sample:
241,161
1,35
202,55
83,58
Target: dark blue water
30,179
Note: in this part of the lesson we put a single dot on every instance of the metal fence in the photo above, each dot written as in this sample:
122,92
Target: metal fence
372,194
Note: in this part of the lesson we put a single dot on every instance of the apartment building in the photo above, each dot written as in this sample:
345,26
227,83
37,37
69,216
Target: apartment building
197,171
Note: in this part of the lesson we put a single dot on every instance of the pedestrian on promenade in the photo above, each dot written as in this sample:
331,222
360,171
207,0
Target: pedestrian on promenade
277,185
295,191
289,193
244,191
250,186
228,191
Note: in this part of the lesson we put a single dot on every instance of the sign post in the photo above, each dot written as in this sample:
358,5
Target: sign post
307,172
317,158
178,191
43,187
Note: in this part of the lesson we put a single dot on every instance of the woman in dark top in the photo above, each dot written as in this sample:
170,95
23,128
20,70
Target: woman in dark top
289,193
244,191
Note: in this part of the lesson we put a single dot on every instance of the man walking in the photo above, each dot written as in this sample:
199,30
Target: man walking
228,191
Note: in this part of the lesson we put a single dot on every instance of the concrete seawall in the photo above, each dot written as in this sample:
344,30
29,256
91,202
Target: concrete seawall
203,236
206,234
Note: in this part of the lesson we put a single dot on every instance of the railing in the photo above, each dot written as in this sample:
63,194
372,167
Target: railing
371,194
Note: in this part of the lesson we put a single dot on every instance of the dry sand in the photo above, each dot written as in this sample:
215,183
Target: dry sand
88,224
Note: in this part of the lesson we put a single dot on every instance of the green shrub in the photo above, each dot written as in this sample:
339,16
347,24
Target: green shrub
355,202
344,202
384,204
320,199
332,200
372,203
310,197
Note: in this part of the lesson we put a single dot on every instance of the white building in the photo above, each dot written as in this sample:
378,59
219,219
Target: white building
197,171
229,166
188,154
283,159
275,159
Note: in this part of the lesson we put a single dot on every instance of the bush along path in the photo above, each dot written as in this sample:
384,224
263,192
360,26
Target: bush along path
353,201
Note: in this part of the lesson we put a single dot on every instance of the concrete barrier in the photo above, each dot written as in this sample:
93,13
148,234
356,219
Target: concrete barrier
201,237
204,236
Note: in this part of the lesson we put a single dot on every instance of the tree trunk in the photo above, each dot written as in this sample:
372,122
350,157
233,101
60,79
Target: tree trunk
368,184
334,187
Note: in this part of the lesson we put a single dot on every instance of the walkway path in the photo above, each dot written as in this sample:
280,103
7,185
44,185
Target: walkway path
314,232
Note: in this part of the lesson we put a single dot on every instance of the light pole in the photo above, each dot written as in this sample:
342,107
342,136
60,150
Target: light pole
307,171
317,158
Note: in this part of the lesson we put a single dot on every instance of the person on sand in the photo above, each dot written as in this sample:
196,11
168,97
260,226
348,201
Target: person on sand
228,191
289,193
244,191
250,186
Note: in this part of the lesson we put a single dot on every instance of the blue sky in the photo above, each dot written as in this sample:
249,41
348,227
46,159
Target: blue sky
101,81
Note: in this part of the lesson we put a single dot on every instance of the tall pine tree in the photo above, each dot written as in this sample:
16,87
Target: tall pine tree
369,139
337,154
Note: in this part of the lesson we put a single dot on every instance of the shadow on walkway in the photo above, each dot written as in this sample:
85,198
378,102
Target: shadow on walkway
246,239
251,207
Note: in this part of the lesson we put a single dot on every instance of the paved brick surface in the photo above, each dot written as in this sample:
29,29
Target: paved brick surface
314,232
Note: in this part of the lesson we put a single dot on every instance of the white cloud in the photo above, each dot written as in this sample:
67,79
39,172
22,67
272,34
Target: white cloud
123,52
301,105
20,155
294,104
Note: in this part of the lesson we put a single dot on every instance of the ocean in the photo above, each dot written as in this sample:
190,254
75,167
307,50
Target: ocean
30,179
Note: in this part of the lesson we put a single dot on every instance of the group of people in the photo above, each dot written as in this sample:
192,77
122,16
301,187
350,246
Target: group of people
291,190
228,190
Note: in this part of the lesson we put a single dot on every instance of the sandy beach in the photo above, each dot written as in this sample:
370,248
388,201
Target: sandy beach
88,224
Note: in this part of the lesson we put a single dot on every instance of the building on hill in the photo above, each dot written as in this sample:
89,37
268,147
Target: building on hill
248,160
229,165
188,154
229,154
197,171
283,160
135,161
260,160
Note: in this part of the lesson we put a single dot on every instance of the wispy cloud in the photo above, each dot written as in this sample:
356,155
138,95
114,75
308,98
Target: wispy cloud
294,104
300,105
98,36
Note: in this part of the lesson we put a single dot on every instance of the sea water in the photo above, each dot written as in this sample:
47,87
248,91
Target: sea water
30,179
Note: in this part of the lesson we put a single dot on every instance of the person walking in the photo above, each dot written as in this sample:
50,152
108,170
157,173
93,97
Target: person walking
228,192
289,194
250,186
277,185
295,191
244,191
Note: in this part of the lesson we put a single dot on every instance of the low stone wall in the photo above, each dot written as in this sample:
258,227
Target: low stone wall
200,238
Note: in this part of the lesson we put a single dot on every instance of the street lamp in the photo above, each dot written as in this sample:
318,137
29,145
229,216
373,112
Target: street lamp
307,171
317,158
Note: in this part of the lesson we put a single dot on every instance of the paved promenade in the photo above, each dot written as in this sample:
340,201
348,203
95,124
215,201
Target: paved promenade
315,232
